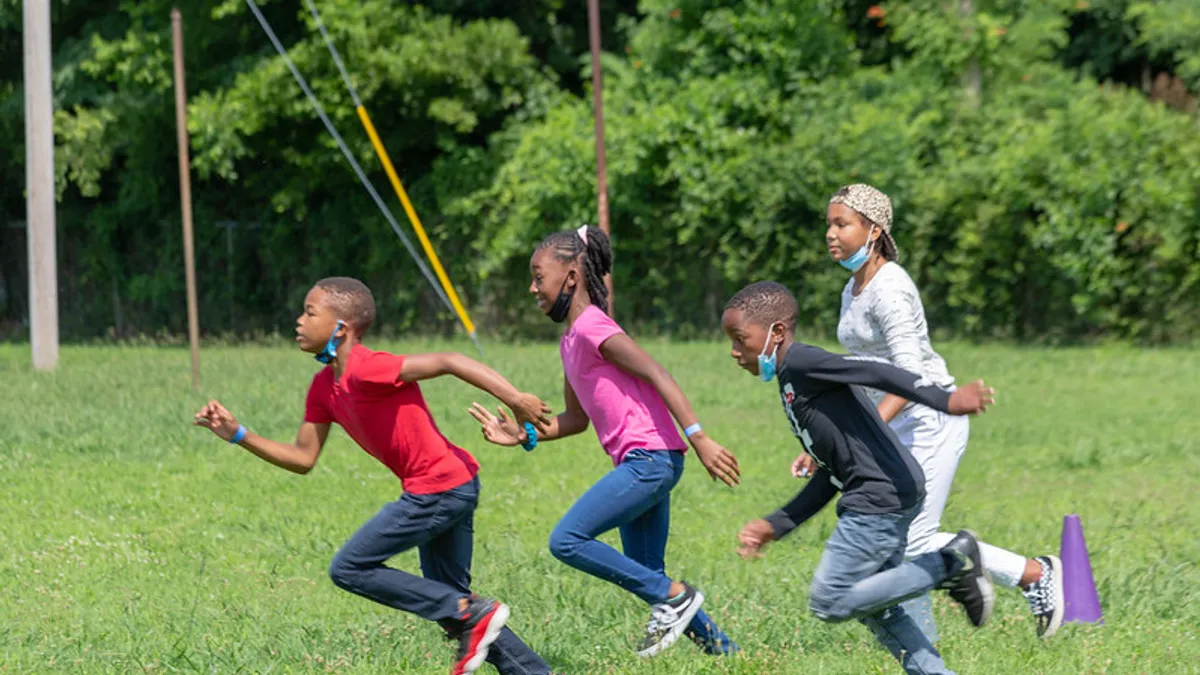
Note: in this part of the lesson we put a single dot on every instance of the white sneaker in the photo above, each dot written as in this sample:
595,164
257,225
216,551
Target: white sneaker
668,620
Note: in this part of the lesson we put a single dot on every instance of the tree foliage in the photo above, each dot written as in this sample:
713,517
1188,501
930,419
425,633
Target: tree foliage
1063,204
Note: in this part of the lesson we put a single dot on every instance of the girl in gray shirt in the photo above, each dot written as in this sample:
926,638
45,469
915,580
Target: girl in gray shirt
883,320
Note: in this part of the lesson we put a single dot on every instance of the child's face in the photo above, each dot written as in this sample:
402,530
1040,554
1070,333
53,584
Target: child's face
846,232
747,339
316,323
549,275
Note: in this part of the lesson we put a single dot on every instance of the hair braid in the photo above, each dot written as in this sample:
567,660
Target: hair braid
597,259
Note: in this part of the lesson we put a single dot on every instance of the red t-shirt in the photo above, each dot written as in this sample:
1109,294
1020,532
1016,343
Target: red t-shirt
389,419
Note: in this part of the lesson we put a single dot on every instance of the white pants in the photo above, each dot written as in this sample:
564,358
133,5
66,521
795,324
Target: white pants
938,441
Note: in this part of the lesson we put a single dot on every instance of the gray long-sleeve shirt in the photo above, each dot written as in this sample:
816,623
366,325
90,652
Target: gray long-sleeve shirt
839,427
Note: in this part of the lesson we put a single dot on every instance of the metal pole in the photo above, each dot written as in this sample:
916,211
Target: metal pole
39,182
598,106
185,193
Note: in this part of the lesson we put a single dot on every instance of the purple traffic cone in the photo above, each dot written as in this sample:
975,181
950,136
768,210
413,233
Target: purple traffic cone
1079,587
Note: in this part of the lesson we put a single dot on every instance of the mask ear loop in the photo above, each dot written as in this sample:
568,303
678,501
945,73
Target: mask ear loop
329,353
770,337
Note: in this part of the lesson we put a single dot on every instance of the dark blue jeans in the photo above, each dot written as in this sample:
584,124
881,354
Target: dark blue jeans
636,498
441,527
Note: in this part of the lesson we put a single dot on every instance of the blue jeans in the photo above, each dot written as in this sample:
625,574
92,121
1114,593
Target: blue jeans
441,527
636,498
863,575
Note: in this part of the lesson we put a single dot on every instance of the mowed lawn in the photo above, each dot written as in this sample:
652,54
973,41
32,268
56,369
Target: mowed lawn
131,541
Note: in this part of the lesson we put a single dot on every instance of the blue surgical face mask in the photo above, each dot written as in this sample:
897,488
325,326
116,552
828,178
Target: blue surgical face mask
766,364
329,353
854,262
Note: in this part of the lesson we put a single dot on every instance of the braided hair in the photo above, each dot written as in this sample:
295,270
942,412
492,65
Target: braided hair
567,246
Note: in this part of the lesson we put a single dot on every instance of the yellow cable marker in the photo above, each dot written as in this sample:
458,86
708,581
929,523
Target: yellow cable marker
416,222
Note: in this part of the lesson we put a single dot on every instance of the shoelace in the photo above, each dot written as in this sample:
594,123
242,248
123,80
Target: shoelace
660,617
1037,595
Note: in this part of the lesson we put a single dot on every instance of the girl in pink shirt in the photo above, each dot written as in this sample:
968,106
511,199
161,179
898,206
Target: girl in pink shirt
634,404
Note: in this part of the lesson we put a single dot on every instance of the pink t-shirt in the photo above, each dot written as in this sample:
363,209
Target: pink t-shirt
627,412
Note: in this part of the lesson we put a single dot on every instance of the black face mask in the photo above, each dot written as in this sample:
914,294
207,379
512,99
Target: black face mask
562,304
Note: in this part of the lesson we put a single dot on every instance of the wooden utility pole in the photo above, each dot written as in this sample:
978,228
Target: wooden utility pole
39,187
598,106
185,194
972,78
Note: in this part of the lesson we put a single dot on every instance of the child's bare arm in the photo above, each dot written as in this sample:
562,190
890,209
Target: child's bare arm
573,419
299,457
503,430
527,407
623,352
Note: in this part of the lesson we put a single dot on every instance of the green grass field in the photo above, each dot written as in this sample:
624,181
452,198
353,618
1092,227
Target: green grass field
131,541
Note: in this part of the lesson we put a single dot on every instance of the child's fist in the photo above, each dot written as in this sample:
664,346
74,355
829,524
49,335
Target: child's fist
972,399
216,418
804,466
753,537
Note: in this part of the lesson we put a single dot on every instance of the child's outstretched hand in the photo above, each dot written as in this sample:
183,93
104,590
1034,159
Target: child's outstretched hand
529,408
804,466
719,462
972,399
220,421
500,430
754,536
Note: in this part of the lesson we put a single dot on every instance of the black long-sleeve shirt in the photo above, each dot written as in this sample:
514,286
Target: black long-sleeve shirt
840,428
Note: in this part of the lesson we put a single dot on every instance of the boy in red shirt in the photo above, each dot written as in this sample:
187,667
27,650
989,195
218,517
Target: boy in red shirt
375,398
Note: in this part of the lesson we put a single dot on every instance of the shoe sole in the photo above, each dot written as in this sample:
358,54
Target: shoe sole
1059,598
677,630
988,590
495,625
983,582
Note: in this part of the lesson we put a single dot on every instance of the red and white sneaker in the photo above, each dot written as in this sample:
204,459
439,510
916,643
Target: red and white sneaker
482,622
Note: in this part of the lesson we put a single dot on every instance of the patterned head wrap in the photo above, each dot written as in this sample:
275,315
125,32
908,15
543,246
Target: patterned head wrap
872,204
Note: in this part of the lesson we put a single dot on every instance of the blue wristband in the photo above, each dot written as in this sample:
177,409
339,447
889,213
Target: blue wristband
237,437
695,428
531,437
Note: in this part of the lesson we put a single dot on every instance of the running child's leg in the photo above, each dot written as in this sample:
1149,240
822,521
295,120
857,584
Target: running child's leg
854,577
644,539
862,548
938,441
644,478
399,526
920,610
896,631
623,494
1006,567
447,558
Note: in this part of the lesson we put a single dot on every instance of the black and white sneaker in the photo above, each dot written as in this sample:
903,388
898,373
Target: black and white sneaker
668,620
1045,596
969,583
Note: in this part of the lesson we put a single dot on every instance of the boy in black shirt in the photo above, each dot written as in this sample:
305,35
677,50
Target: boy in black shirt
862,574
